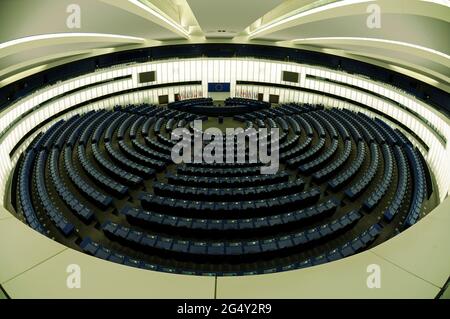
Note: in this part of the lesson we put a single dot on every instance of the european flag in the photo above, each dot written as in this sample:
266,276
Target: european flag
218,87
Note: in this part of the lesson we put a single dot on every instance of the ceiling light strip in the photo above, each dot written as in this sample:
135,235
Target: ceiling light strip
50,36
374,40
296,16
160,16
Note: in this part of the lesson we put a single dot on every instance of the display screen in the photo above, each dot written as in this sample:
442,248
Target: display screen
290,76
274,98
163,99
147,77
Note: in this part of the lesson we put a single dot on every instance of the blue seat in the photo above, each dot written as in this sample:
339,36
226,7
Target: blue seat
181,246
234,248
132,262
103,253
347,250
323,158
86,133
101,124
112,126
70,125
53,213
199,248
117,258
269,245
322,117
252,247
88,190
216,248
70,200
304,264
299,238
134,236
24,192
164,243
419,185
158,146
147,124
128,165
294,125
87,245
357,244
313,234
325,230
305,125
135,126
359,185
114,169
124,126
387,132
333,166
142,159
149,240
321,259
292,153
382,188
100,178
109,227
122,232
370,125
311,118
335,254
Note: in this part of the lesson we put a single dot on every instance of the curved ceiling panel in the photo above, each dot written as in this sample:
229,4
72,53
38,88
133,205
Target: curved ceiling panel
405,54
327,9
49,16
47,40
231,16
419,30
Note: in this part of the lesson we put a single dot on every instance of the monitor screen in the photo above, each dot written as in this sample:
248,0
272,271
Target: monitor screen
290,76
163,99
147,77
274,98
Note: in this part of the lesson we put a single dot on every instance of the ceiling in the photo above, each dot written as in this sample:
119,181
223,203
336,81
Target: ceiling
413,36
229,16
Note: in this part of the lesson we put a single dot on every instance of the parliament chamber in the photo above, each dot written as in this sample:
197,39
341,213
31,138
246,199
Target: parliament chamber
359,144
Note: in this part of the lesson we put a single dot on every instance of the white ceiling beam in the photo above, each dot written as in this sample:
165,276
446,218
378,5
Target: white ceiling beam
43,40
407,48
152,13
